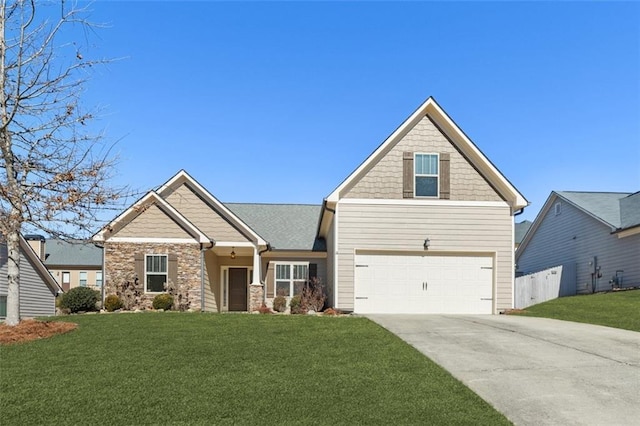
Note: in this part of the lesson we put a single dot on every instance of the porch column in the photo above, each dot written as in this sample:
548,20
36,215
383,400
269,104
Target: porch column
256,297
255,279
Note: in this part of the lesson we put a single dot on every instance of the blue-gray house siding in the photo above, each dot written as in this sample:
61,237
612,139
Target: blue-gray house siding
570,235
37,288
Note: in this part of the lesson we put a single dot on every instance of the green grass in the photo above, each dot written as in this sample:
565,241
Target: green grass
617,309
170,368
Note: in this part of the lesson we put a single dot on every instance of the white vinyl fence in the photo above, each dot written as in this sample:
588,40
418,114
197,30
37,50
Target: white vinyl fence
545,285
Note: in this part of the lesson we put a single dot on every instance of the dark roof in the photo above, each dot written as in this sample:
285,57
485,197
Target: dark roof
521,230
284,226
630,211
605,206
71,253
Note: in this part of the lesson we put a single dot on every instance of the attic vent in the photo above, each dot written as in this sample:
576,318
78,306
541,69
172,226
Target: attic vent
558,208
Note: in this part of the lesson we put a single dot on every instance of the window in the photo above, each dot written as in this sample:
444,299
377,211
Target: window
3,306
426,175
83,279
99,279
155,273
66,278
291,278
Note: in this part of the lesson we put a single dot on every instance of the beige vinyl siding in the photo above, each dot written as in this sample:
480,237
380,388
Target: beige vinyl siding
460,229
36,298
575,237
384,179
270,275
211,282
74,273
203,216
331,250
152,223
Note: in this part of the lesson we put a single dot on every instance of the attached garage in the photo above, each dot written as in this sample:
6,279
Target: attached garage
423,284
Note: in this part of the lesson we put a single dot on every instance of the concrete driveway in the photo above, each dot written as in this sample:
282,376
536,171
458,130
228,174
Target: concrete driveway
536,371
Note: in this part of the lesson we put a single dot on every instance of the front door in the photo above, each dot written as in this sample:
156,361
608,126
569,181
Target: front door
238,289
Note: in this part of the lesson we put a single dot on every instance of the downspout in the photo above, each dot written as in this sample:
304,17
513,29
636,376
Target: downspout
202,250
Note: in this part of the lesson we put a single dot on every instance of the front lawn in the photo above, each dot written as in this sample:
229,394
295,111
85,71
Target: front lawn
619,309
171,368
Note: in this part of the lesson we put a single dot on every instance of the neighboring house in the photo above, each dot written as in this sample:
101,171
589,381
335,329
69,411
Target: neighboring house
521,231
597,234
72,263
38,289
425,224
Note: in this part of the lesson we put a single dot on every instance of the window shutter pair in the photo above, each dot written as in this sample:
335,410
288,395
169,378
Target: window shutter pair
172,268
408,177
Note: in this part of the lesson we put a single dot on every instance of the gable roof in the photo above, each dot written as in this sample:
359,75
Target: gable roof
285,226
71,253
183,177
606,207
139,206
521,229
431,108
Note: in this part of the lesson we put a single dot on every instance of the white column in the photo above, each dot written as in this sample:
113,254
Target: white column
255,280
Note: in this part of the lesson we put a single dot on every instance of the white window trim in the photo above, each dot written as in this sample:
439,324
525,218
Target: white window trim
557,208
101,280
68,274
224,285
155,273
86,278
437,176
291,279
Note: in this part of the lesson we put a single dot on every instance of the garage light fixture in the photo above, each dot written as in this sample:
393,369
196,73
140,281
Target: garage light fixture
427,243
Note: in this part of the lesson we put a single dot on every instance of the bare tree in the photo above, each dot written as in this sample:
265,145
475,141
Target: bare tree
55,169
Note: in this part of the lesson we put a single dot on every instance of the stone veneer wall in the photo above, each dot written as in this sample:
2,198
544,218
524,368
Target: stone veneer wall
256,297
120,267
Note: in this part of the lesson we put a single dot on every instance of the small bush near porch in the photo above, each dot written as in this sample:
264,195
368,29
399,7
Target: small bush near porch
171,368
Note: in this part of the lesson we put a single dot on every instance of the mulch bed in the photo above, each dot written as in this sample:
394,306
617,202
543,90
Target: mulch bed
28,330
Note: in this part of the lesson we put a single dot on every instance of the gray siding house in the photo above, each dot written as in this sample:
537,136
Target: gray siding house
38,289
597,234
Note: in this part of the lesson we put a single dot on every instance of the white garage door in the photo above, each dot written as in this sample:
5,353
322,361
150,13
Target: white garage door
423,284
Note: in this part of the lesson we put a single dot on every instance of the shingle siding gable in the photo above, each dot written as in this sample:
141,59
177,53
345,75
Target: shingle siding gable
385,178
203,216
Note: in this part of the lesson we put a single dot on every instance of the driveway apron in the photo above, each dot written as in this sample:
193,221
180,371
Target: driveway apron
536,371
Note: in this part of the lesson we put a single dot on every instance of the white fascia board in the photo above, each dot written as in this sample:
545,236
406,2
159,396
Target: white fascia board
182,176
153,197
235,244
431,108
279,254
40,267
423,202
154,240
467,146
392,139
100,235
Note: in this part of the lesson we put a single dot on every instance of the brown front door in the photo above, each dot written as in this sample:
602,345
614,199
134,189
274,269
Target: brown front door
237,289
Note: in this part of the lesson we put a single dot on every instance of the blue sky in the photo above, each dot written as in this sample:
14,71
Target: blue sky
279,102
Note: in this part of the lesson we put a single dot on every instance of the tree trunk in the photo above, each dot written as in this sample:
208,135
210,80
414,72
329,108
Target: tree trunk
13,278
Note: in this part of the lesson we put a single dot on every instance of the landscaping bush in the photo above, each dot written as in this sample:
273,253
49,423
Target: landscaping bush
163,301
313,296
112,303
80,299
280,304
296,305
